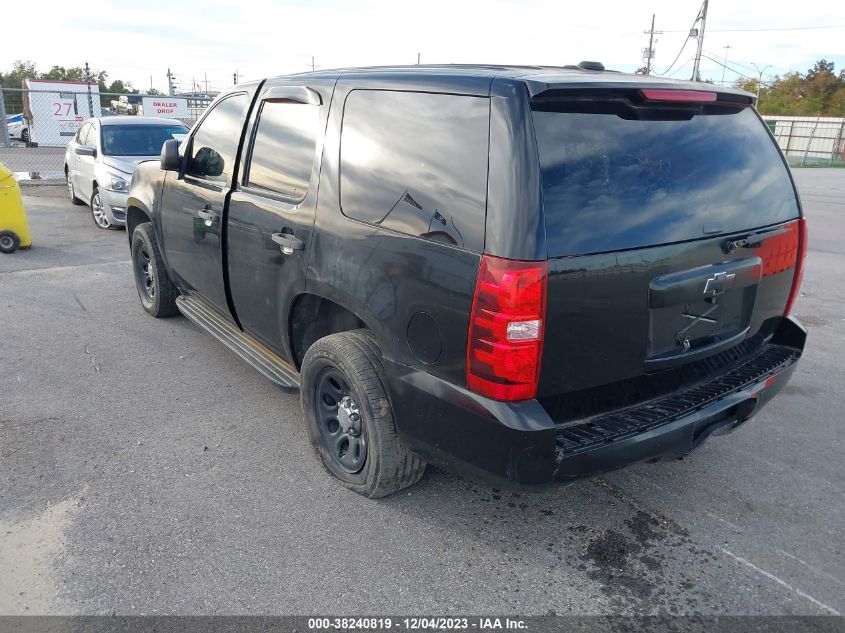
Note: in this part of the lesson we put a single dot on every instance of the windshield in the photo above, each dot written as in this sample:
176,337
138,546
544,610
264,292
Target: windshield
611,183
138,140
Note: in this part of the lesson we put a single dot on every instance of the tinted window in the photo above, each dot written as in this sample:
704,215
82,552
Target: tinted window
137,140
611,183
283,150
215,142
416,163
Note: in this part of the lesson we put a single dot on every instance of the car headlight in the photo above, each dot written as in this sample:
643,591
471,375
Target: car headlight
117,182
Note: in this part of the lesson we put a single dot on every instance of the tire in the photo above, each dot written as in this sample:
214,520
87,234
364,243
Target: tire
9,241
352,360
71,190
155,290
25,135
98,211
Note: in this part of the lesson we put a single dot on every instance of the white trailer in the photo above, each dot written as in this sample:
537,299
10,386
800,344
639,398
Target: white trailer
55,110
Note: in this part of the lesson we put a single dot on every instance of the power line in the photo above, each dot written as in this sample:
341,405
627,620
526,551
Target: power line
678,56
736,63
681,67
788,28
734,70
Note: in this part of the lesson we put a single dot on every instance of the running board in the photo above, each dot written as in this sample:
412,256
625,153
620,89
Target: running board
254,353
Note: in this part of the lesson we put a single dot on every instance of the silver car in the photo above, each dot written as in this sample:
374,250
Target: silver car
100,159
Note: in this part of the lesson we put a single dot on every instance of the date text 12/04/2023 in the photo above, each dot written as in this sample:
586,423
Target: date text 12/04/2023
417,623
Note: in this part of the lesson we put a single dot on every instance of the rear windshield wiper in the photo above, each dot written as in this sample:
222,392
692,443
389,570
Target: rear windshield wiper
752,240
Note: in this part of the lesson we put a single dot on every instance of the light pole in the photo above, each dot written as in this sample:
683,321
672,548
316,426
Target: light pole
760,79
725,65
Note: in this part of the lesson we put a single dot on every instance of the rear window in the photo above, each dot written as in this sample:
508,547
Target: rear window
611,183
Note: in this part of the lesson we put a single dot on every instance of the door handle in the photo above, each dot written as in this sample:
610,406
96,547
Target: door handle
288,242
209,216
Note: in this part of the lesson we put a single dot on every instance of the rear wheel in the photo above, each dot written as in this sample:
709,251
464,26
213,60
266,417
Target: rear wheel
71,191
9,241
350,419
156,291
25,135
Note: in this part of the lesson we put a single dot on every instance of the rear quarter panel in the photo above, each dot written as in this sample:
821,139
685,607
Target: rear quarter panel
385,277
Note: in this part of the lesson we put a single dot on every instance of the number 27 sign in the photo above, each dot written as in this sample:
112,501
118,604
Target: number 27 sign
63,109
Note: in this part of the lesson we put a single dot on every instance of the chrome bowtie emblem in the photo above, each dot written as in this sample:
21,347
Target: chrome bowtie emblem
719,283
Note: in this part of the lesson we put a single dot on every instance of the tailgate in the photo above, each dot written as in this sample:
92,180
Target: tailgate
672,237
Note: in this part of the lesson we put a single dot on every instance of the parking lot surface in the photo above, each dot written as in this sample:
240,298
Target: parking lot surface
145,469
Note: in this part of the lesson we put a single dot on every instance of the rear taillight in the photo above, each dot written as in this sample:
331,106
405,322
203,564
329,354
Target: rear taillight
801,228
506,328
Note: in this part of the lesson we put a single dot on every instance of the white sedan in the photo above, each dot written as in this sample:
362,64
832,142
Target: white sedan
100,159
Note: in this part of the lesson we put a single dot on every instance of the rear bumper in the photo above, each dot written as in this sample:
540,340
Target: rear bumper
519,443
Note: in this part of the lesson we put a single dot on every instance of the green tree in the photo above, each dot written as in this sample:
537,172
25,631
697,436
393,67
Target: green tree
60,73
821,67
20,70
819,92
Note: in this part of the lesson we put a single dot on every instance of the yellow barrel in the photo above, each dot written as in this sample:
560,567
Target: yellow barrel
12,213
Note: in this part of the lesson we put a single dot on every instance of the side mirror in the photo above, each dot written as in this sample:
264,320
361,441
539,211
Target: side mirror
170,160
85,150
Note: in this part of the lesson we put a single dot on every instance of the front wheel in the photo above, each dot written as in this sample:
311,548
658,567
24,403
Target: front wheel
9,242
350,419
156,291
98,211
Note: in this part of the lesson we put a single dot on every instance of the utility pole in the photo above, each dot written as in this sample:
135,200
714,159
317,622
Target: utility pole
169,82
725,65
760,79
313,64
206,83
648,53
699,34
88,87
418,58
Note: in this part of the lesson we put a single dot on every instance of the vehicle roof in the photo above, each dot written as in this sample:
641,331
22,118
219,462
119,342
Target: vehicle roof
136,120
537,78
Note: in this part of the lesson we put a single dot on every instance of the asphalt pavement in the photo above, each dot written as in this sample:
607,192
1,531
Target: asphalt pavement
146,469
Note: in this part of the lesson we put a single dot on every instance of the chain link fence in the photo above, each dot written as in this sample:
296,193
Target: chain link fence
810,141
36,125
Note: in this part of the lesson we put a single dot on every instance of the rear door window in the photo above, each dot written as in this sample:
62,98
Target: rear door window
612,183
416,163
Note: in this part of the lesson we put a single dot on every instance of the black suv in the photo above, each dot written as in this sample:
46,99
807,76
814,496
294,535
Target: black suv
520,273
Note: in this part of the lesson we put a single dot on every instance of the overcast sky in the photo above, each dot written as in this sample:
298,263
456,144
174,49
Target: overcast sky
137,39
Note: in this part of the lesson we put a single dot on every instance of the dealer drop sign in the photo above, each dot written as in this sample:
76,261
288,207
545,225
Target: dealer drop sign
166,107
